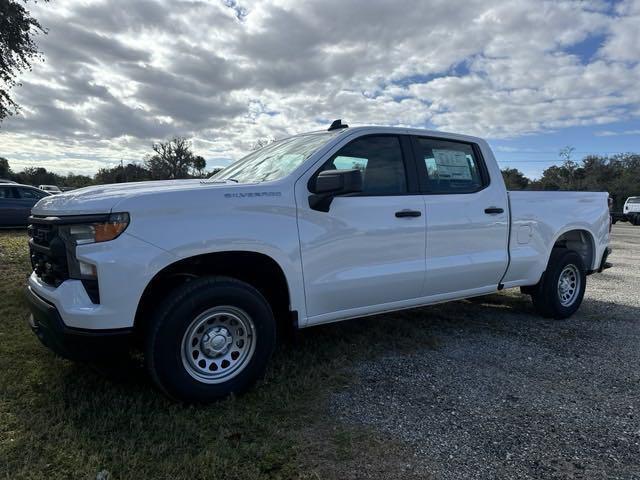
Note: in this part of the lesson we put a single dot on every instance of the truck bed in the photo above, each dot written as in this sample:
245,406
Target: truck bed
539,219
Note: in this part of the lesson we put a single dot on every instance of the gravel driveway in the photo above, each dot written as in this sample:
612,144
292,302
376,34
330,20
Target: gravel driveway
507,394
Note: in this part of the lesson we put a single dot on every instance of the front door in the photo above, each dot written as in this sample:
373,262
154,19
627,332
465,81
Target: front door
369,248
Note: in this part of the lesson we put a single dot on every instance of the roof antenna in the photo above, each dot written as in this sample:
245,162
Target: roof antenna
337,125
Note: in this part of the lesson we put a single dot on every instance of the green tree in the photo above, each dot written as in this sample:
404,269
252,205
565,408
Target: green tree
172,159
72,181
5,169
37,176
131,172
199,165
17,49
514,179
619,175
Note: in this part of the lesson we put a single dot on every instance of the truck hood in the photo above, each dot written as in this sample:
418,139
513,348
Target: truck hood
103,198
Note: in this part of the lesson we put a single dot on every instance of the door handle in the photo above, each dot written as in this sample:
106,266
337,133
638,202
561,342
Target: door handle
493,210
408,213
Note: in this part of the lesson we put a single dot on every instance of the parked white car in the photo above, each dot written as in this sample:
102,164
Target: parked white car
315,228
631,210
52,189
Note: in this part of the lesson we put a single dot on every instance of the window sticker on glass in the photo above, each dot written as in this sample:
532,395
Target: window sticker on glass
452,164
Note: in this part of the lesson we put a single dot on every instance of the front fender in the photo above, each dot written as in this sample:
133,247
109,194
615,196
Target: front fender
206,221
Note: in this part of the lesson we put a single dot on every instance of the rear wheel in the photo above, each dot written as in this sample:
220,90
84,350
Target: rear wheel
635,219
211,337
561,290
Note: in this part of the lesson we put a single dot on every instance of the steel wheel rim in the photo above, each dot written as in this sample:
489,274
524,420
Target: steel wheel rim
568,285
218,344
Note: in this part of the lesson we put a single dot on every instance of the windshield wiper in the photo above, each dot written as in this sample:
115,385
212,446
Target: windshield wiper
235,180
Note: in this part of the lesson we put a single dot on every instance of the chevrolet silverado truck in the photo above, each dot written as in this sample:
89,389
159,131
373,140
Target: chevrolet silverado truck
203,275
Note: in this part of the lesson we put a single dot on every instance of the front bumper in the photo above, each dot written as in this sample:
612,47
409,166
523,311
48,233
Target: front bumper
73,343
125,267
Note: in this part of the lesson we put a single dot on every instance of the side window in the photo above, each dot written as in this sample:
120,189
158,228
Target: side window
380,160
451,167
6,192
30,193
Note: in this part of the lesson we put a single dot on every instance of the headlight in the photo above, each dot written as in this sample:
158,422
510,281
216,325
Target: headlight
93,232
82,230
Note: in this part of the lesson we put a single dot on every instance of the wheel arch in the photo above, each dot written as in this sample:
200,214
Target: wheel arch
579,239
258,269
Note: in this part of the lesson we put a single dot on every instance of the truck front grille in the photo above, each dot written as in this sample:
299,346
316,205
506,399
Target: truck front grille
48,253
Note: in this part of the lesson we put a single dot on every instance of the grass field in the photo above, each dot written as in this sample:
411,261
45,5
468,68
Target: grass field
63,420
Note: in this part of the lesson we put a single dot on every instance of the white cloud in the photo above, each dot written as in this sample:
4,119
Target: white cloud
612,133
119,74
624,40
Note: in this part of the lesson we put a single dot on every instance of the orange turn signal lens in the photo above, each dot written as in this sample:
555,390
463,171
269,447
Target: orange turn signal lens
108,231
116,224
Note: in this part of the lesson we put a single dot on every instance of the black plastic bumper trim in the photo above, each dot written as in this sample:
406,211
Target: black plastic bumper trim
69,342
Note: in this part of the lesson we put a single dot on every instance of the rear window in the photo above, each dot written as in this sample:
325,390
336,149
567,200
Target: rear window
451,167
6,192
31,193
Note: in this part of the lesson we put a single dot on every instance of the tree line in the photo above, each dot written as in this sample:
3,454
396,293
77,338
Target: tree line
173,159
618,174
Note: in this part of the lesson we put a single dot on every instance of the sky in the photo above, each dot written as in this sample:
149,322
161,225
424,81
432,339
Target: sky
529,76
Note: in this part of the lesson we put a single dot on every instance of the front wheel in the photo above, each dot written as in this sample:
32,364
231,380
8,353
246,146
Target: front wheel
211,337
561,290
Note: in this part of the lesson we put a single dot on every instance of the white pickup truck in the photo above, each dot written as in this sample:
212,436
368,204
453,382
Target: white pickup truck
203,274
631,210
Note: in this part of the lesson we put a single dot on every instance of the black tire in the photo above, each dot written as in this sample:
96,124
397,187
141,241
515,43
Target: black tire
635,219
547,297
177,315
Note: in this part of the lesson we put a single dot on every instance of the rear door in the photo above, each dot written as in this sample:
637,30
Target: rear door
27,198
466,218
369,248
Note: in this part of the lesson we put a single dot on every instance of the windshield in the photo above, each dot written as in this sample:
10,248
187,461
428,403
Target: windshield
275,160
633,200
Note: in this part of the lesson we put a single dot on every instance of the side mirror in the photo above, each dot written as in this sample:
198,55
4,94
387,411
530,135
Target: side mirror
332,183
